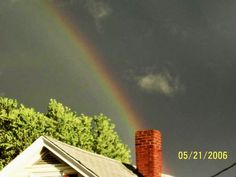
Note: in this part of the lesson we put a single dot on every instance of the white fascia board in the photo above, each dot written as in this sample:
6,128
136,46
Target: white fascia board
80,168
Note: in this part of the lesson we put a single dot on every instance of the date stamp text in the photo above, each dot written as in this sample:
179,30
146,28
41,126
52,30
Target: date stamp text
203,155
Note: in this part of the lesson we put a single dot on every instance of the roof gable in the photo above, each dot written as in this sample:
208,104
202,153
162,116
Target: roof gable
34,152
86,163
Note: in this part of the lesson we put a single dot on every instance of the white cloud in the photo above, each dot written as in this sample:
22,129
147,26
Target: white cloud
99,10
162,83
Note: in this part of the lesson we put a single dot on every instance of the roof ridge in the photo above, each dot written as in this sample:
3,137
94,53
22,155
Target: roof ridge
51,141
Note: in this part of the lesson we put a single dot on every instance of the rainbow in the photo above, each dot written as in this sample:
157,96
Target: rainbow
96,64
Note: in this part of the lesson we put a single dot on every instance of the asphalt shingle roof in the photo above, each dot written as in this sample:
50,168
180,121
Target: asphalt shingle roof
100,165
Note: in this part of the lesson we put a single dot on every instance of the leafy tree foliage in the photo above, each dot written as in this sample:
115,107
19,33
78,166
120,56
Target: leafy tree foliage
20,126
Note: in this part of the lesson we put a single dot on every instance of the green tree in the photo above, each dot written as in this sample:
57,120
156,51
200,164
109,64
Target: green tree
104,136
20,126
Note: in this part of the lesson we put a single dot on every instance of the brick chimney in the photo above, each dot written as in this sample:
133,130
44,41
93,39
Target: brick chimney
148,153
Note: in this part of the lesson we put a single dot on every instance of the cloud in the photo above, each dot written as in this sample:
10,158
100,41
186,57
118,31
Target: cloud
99,11
162,83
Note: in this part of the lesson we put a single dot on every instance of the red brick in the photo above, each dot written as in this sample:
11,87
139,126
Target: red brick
149,153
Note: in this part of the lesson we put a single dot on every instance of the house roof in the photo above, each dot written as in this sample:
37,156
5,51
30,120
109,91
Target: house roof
86,163
98,164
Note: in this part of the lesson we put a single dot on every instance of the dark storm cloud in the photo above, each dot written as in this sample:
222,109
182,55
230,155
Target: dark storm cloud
155,49
2,93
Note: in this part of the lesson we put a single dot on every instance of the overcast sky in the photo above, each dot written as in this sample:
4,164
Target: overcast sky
175,59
